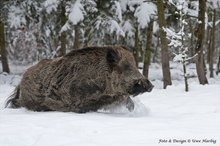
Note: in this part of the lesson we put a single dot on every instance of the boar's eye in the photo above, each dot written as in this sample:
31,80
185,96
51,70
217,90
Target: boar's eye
126,66
112,57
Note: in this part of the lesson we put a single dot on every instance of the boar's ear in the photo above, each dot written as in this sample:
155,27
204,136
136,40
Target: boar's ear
112,57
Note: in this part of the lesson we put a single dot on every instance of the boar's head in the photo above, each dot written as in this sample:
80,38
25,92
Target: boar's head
125,75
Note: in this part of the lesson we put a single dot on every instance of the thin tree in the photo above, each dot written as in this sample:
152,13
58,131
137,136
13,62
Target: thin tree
191,46
136,46
212,44
164,46
177,39
76,44
63,39
218,65
183,50
147,55
200,65
3,52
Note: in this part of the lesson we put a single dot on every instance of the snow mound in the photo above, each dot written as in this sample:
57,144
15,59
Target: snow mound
121,110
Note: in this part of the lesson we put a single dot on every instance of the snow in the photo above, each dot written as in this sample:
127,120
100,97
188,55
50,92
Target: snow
123,4
182,5
77,13
159,116
118,10
144,13
51,5
65,27
128,28
114,26
16,17
110,24
193,13
214,3
179,57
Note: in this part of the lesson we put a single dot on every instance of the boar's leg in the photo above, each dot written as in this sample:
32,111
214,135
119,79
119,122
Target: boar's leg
96,103
55,105
130,104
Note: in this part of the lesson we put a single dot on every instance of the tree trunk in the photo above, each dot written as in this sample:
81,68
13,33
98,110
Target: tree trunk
164,45
76,37
185,77
5,66
212,47
63,44
147,55
136,47
209,35
191,47
63,40
200,65
218,65
155,56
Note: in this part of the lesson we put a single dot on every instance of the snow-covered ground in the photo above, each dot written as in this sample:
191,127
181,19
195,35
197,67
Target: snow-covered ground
168,117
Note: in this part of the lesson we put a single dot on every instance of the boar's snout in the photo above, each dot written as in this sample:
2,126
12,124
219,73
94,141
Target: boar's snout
140,86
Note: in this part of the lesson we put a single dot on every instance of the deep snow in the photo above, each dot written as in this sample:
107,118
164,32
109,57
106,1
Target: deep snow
159,116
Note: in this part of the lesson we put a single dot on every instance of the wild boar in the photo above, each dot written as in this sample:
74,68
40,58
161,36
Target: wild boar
81,81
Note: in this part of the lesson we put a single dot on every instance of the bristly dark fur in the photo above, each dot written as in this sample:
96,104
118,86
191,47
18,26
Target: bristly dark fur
12,100
83,80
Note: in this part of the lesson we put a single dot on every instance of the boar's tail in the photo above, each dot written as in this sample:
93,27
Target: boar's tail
12,100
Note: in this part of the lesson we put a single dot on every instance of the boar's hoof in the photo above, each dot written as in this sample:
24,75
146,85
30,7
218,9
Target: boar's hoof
130,104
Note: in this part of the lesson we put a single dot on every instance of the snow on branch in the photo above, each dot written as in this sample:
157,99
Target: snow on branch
109,24
51,5
128,28
114,27
16,16
118,10
214,4
144,12
77,13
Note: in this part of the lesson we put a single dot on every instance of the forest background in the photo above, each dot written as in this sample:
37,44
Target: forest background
156,31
